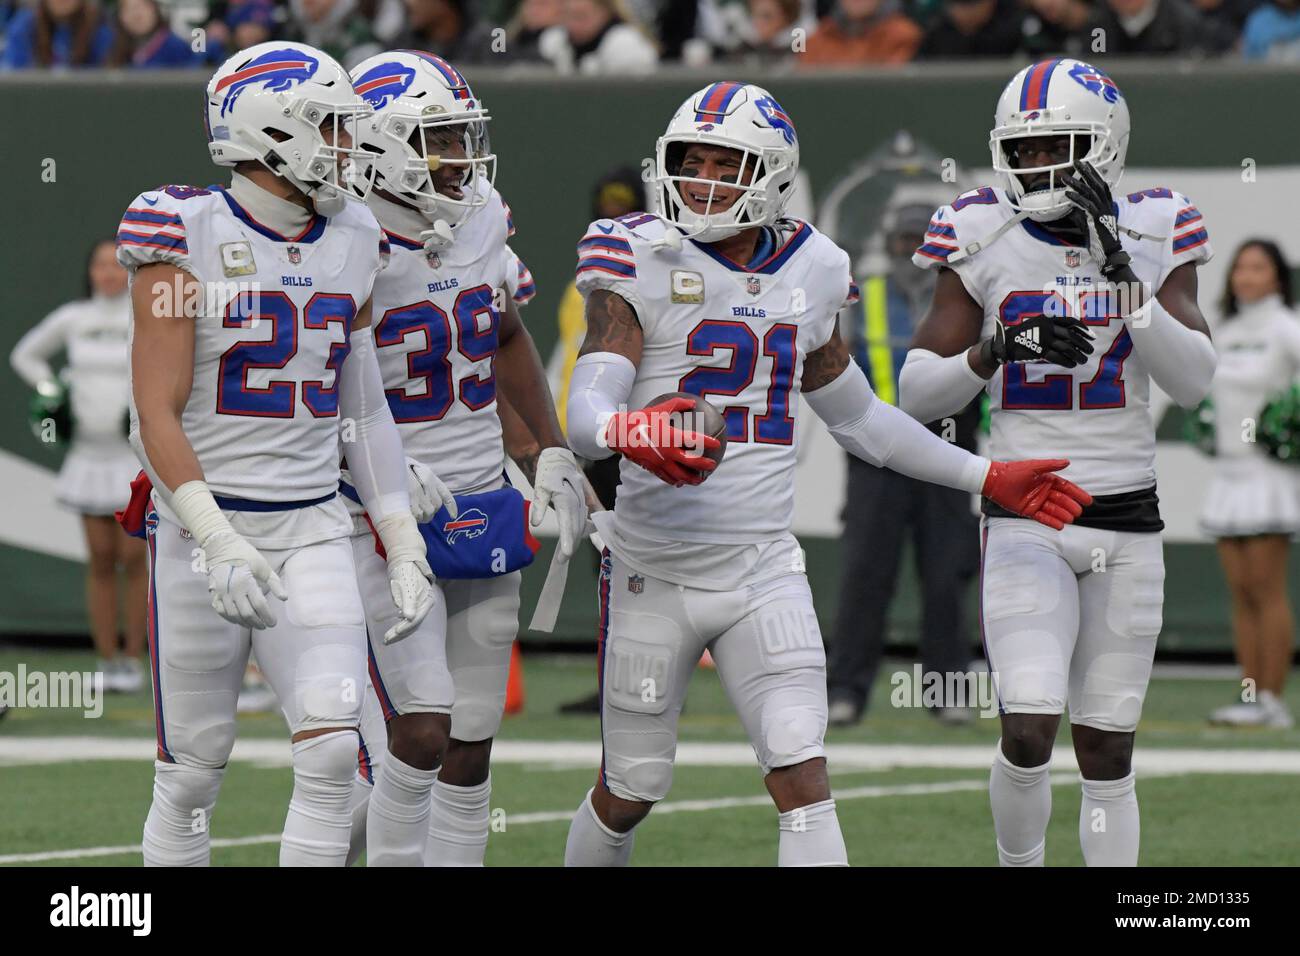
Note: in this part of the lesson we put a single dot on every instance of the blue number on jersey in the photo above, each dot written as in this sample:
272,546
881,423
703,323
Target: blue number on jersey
1056,392
431,364
234,395
776,425
477,344
276,400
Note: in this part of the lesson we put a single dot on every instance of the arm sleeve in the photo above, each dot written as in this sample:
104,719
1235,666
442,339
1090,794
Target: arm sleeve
885,436
607,260
374,453
931,387
1180,360
600,384
31,356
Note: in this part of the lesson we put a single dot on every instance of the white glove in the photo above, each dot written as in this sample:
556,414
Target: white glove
561,485
410,579
239,579
427,492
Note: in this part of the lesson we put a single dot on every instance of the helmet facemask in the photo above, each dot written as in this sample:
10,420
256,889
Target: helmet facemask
316,161
432,144
1090,142
760,202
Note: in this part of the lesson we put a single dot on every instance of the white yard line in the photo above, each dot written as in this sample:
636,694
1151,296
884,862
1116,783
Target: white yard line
560,816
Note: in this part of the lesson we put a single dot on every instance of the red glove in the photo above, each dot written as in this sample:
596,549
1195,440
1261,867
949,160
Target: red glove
647,437
1030,489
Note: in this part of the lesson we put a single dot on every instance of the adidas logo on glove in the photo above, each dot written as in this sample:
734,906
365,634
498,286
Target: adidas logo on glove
1029,339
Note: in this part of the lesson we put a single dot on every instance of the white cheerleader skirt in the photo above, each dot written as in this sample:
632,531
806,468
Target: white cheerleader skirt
96,480
1252,495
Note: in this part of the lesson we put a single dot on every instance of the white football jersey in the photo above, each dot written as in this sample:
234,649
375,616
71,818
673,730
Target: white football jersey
1096,414
735,336
436,318
271,335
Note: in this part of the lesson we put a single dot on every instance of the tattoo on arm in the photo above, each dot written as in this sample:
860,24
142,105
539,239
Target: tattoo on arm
528,465
825,365
612,326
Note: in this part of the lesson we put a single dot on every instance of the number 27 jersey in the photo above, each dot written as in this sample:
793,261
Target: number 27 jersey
1096,414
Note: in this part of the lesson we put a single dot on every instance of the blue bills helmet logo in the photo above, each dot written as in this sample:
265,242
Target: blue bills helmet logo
384,83
471,524
277,70
776,117
1095,81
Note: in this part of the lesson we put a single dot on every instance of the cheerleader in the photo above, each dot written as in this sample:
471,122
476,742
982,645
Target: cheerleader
1253,505
99,465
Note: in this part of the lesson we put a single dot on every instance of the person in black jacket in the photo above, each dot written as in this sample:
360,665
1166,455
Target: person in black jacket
1158,27
969,28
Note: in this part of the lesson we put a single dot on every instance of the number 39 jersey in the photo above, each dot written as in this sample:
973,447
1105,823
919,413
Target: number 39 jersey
735,336
1096,414
270,336
437,315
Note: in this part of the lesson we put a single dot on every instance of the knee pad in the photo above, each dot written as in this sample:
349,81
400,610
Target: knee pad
329,686
180,790
645,779
326,761
200,728
791,735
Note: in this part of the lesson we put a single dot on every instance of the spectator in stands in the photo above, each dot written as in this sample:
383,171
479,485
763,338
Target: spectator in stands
525,29
144,40
769,34
449,28
1229,14
1055,27
969,28
1252,507
251,22
1153,27
338,27
58,33
863,31
598,37
1273,32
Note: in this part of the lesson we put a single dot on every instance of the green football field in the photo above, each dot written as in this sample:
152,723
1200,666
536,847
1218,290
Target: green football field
910,791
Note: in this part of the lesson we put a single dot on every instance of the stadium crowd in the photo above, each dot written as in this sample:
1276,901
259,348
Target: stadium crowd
631,36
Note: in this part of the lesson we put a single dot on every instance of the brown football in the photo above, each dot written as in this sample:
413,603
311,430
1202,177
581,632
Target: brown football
704,418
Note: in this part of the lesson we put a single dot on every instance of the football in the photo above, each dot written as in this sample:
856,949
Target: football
704,418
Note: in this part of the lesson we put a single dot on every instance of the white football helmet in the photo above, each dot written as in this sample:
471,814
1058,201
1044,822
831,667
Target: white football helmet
739,116
423,108
1059,97
267,104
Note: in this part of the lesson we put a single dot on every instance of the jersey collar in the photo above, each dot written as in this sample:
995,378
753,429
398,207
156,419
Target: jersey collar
767,266
313,230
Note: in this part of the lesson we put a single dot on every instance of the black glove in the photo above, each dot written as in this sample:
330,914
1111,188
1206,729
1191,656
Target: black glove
1056,339
1090,193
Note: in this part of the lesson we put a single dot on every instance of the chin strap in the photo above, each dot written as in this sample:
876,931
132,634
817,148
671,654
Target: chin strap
968,250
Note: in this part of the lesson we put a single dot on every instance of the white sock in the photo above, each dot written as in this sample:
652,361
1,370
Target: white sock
360,808
591,843
319,823
1021,798
1109,827
397,826
458,825
177,831
810,836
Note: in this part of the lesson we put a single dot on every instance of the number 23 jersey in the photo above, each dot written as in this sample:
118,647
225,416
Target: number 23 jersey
735,336
1098,413
270,337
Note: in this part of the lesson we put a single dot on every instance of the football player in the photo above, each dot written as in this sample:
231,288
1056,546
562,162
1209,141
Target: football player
1065,300
447,332
720,295
252,360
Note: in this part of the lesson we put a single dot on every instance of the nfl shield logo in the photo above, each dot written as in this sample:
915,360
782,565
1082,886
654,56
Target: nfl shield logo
295,254
434,260
752,285
635,583
1072,259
